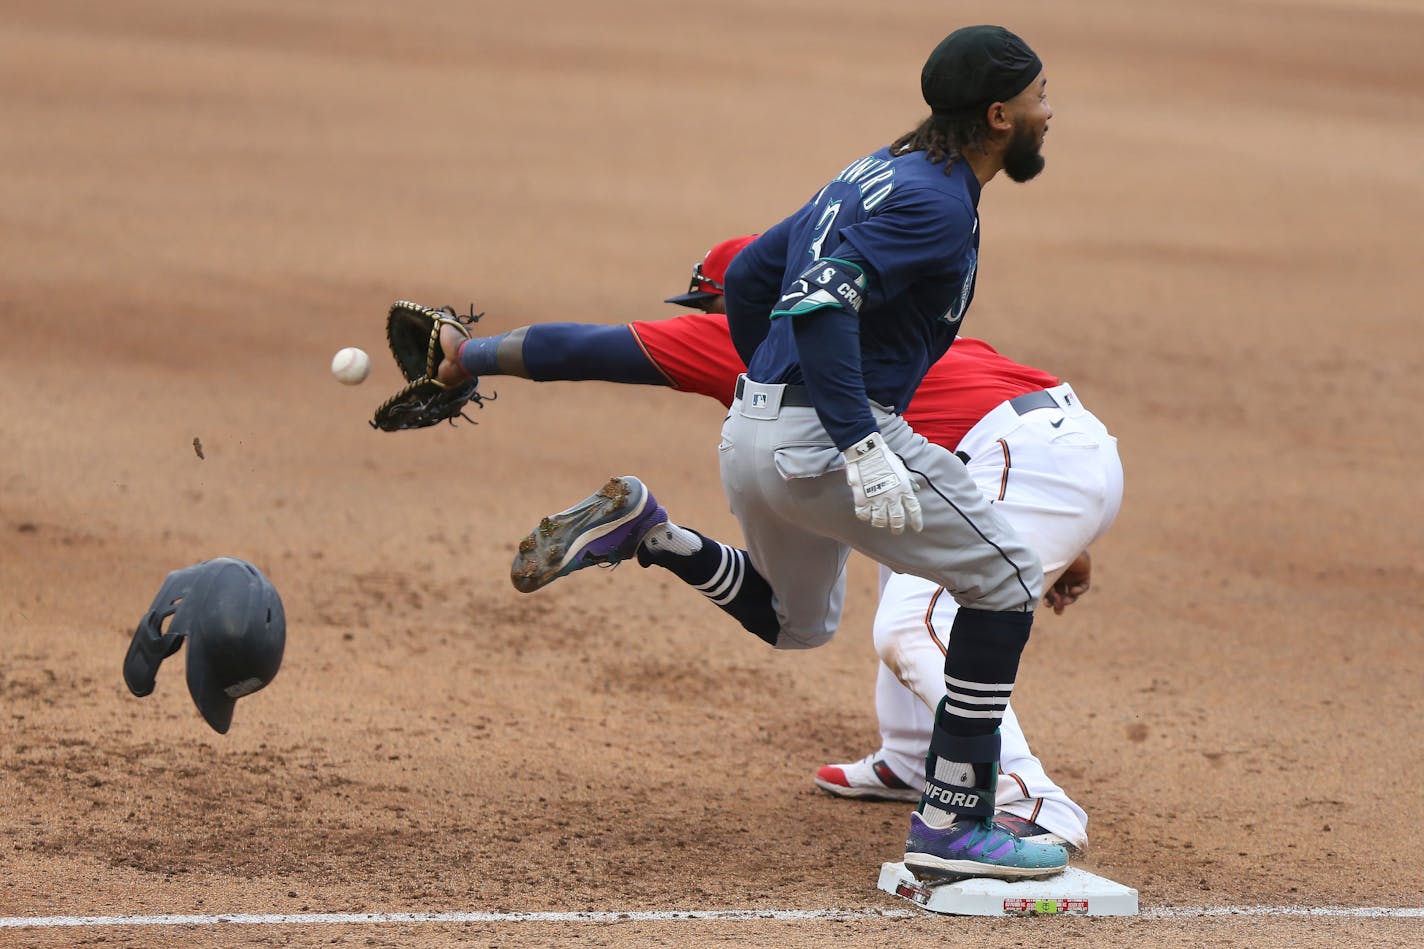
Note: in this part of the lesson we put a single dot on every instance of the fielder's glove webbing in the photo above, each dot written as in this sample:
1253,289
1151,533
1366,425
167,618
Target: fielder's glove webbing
413,332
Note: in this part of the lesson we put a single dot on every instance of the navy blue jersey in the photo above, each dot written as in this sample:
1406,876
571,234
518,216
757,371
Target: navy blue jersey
912,229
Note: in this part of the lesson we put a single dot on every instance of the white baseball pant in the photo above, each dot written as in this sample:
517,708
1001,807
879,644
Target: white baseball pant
1054,475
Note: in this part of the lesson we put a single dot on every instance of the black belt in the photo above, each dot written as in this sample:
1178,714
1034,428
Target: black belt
1029,401
1024,404
793,396
798,397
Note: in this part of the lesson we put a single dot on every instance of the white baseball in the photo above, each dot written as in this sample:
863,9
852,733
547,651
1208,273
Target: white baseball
351,366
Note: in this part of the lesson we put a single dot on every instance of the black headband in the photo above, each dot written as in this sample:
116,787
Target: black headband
974,66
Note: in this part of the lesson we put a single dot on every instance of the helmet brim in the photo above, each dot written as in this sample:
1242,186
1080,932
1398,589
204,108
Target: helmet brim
694,299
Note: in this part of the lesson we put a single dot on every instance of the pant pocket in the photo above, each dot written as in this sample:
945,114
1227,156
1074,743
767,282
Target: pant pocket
1073,439
807,461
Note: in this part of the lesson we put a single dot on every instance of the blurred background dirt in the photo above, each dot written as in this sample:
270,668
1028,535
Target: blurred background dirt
201,203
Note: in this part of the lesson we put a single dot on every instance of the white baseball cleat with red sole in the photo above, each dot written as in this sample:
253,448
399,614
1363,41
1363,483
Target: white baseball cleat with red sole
869,778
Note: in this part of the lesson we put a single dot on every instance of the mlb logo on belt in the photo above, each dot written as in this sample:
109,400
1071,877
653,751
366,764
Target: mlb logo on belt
758,400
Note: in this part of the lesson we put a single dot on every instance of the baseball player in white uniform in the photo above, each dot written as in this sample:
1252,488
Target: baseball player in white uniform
1054,474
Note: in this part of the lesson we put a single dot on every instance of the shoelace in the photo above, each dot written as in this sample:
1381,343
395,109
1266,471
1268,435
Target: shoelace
985,830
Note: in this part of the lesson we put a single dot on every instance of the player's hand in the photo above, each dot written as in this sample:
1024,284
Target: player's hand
884,494
1072,584
450,372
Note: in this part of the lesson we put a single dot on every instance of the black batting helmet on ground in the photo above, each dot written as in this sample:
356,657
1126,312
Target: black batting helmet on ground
232,618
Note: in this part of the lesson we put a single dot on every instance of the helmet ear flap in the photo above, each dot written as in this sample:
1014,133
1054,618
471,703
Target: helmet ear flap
147,650
152,643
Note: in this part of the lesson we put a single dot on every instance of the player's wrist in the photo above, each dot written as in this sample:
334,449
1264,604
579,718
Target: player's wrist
478,355
865,444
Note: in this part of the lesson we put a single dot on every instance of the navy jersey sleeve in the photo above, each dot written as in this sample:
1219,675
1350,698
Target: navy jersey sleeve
752,287
915,235
829,344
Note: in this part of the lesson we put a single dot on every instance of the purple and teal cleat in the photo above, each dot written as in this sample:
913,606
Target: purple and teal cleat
601,530
977,848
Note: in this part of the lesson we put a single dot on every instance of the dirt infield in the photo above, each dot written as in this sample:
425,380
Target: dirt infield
202,202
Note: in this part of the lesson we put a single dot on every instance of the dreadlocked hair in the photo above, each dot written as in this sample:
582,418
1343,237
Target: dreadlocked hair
943,138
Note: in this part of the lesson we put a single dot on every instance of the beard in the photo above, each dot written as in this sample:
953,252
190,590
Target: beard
1023,158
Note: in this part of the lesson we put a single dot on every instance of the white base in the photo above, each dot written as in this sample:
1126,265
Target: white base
1073,892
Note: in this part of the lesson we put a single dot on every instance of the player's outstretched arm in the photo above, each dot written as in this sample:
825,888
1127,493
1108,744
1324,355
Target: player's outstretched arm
451,372
550,352
691,352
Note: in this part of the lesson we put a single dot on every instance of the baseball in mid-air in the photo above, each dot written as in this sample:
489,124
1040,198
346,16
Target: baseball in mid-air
351,366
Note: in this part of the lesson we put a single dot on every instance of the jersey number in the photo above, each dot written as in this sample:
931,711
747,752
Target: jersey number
956,310
823,227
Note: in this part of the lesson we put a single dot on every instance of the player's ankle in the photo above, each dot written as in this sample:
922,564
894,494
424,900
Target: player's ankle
668,538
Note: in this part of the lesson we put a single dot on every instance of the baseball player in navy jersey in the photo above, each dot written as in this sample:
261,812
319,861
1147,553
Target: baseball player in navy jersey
839,310
1055,477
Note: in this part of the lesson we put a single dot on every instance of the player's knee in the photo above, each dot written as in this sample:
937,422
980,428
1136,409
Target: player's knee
1017,587
807,620
804,635
887,634
760,618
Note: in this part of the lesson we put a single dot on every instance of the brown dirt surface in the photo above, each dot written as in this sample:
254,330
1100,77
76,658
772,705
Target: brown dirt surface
202,202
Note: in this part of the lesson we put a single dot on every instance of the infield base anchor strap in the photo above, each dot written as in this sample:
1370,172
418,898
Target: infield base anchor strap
828,283
963,801
981,754
971,749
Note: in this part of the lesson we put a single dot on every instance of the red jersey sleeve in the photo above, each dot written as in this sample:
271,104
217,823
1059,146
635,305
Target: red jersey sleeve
694,351
960,389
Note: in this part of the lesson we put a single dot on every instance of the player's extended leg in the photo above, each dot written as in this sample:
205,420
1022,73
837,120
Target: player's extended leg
786,483
780,473
623,520
1052,470
1028,801
911,625
968,547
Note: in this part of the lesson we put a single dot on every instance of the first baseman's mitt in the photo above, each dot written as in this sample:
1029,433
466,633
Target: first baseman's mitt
413,332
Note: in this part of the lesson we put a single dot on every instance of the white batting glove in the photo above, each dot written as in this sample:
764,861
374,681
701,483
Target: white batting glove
884,494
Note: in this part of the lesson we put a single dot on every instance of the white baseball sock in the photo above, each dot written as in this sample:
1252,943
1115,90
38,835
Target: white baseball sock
668,537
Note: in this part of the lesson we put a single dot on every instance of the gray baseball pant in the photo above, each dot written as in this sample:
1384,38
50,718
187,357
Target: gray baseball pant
785,481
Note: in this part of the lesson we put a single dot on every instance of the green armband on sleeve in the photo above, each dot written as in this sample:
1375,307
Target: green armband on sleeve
829,282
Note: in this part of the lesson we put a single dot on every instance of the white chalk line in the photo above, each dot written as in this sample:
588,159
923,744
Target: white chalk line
1347,912
292,919
729,915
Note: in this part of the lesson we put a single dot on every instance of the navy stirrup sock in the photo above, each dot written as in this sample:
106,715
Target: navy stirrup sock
725,576
980,667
